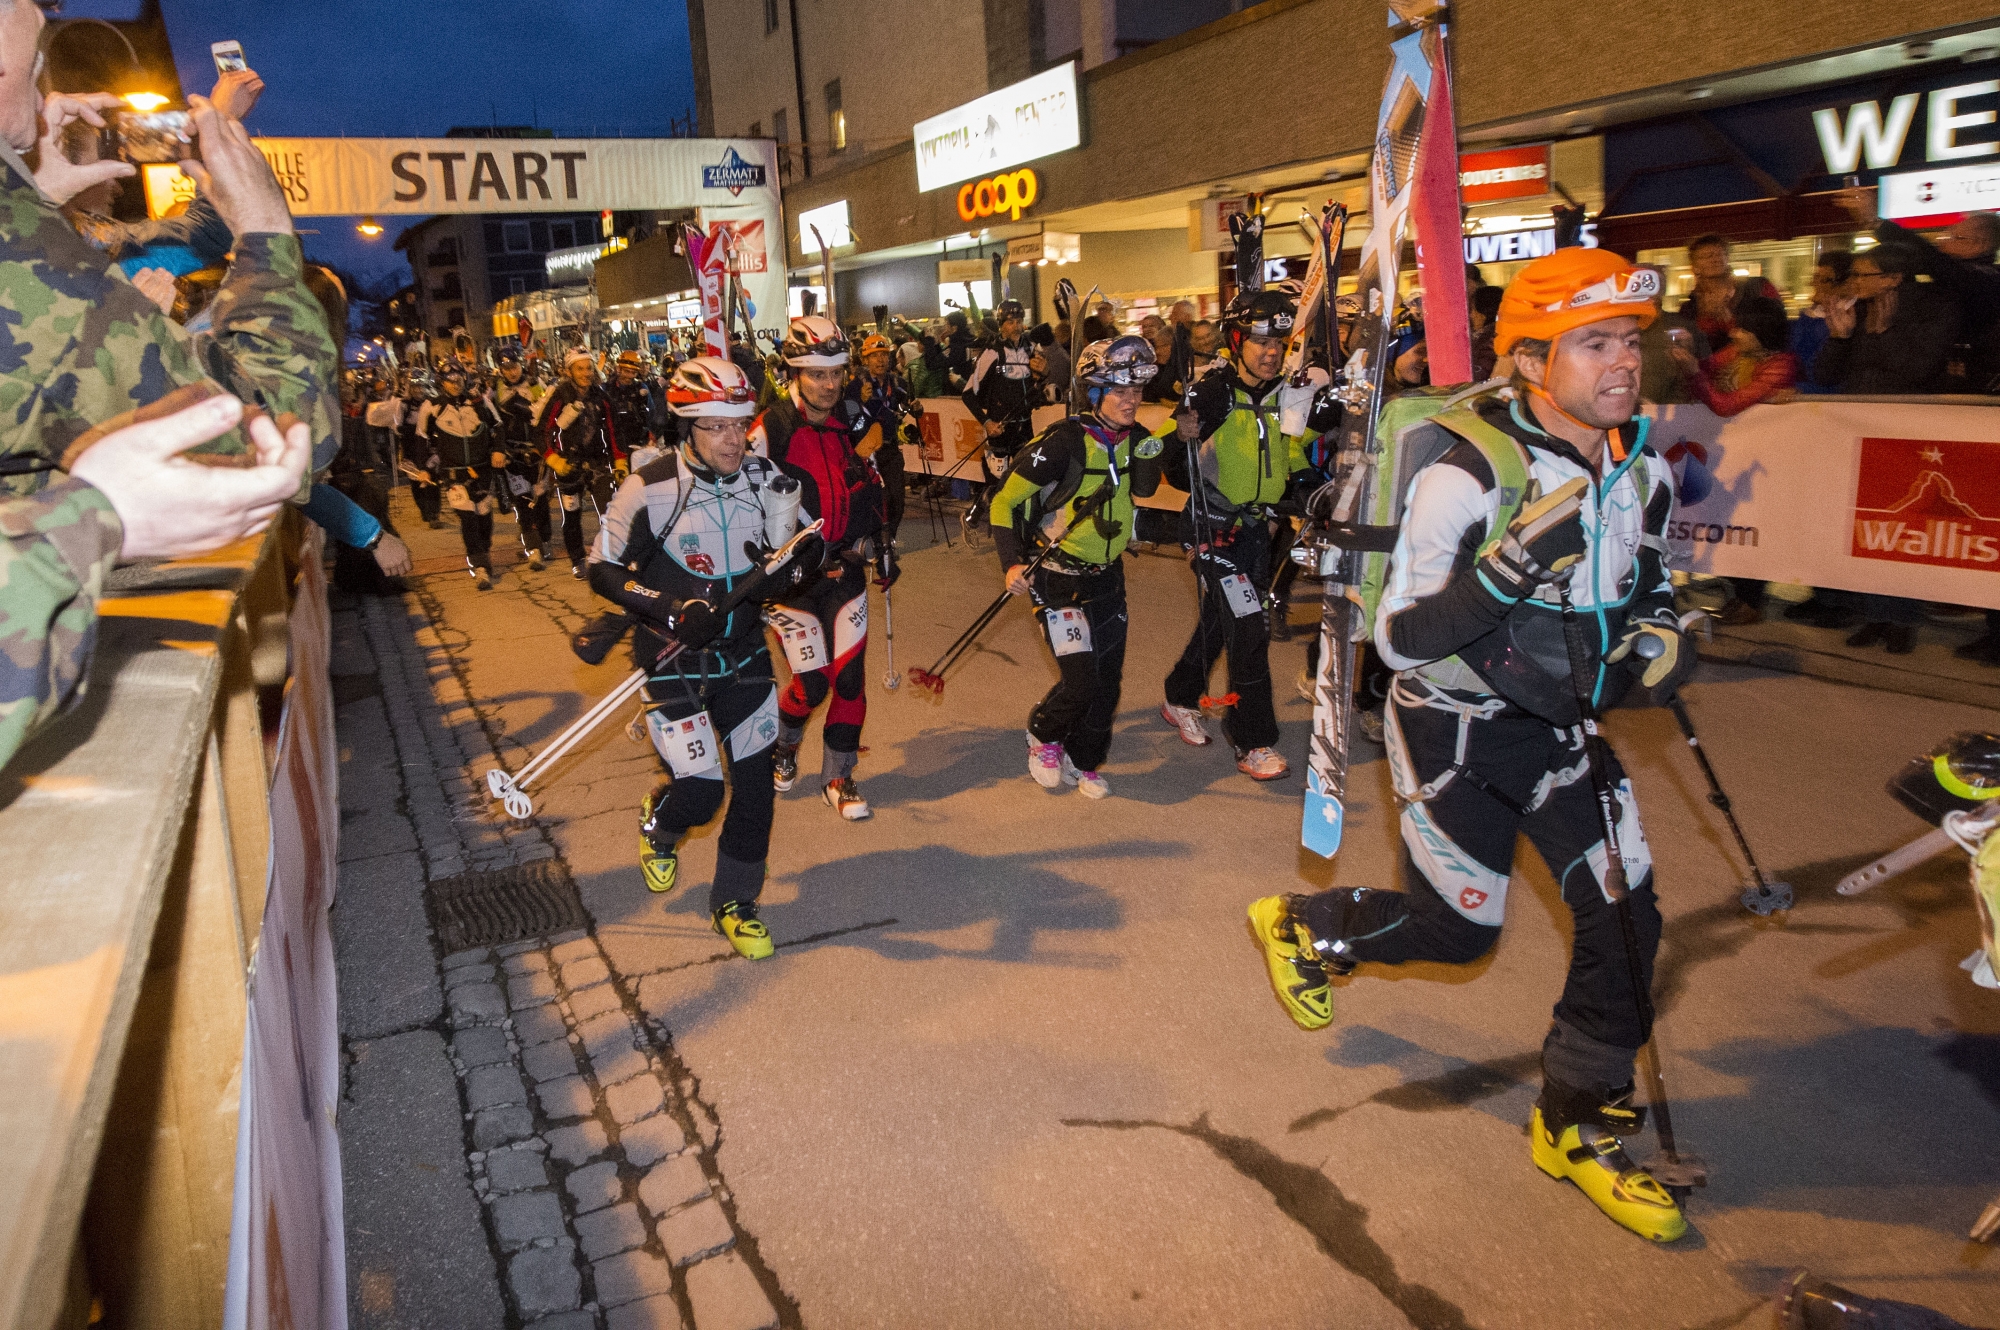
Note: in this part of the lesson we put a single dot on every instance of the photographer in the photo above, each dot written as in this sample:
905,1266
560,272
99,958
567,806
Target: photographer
95,356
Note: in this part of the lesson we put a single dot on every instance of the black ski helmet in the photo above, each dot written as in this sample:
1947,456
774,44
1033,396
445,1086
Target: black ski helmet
1959,774
1010,309
1266,314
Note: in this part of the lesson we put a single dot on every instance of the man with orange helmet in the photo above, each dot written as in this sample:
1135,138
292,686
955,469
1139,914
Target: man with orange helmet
1548,481
672,545
885,403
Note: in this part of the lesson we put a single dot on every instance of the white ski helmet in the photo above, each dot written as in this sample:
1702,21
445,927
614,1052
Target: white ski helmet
710,386
813,341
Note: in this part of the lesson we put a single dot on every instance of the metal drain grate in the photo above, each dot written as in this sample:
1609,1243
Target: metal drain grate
486,909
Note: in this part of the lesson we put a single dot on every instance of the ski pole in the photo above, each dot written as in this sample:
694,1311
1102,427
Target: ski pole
511,791
891,680
1676,1173
933,678
1766,896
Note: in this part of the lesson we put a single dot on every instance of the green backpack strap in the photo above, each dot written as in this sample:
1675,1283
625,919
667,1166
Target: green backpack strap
1502,452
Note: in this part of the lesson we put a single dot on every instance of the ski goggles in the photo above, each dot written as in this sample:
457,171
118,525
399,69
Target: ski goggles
1636,287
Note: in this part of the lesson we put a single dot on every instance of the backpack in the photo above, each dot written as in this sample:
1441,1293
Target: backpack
1051,499
1414,431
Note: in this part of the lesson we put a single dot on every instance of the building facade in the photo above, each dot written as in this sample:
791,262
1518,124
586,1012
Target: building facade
464,264
1664,118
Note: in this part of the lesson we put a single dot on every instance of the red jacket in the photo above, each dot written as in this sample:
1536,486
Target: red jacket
842,489
1774,374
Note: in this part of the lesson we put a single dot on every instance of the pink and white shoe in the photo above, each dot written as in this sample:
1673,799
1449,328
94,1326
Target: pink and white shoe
1093,785
1045,764
1188,721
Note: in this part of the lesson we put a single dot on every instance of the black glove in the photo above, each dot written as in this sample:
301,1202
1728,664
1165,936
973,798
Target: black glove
695,624
1540,544
887,567
1660,654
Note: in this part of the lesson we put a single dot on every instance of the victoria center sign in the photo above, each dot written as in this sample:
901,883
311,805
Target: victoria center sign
1020,123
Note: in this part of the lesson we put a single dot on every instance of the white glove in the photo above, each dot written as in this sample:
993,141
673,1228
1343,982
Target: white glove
1295,400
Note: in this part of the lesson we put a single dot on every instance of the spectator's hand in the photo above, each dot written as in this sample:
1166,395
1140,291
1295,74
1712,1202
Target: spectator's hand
157,285
235,175
1858,202
236,93
392,556
1840,317
58,177
1685,359
172,507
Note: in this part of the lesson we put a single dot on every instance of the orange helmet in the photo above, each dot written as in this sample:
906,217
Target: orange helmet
873,343
1570,288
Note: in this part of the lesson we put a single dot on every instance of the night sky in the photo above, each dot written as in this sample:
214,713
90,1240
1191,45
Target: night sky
415,68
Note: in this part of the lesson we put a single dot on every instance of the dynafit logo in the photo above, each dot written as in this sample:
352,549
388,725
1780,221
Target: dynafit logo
733,174
1931,501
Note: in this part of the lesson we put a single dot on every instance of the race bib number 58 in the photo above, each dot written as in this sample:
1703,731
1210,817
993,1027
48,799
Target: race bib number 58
1069,631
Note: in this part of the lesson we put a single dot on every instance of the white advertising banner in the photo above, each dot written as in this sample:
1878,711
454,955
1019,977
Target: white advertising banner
287,1238
1019,123
1898,498
401,177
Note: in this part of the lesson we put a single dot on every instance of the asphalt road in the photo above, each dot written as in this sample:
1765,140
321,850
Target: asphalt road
1017,1063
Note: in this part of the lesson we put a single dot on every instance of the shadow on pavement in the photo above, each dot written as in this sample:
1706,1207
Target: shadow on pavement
1800,1136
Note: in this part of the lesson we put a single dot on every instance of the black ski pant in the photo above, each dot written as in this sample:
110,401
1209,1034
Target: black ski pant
895,486
1251,722
743,713
471,493
586,485
1078,712
428,498
1520,776
531,506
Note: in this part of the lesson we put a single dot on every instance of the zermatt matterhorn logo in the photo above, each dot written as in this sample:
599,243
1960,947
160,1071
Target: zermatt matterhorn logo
733,174
1929,501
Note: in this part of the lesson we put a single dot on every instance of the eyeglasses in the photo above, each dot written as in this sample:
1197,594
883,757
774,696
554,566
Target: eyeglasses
723,425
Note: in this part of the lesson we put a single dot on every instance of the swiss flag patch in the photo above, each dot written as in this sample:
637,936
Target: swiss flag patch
1472,898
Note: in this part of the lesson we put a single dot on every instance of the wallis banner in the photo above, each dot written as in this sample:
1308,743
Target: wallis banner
1899,498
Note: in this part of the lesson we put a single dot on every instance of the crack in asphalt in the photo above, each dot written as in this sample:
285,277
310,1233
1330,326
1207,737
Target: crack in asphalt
805,941
1315,1203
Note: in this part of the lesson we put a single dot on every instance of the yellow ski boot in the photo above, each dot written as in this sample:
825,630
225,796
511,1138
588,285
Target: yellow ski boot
738,922
1297,977
1590,1154
662,870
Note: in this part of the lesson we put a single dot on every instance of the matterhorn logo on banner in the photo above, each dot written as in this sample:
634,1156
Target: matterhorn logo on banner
1931,501
733,174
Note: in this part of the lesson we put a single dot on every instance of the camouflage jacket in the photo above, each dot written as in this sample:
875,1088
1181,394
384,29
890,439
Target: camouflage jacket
79,347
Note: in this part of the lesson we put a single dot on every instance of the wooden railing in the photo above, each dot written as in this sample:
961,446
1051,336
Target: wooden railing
135,834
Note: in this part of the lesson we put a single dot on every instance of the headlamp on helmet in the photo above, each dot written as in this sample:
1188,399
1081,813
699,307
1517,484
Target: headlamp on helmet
710,386
813,341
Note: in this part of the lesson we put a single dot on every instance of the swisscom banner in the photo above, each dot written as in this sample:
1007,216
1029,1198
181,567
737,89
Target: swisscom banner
1901,498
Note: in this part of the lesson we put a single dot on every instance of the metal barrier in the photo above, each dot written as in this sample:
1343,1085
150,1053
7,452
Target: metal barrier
136,834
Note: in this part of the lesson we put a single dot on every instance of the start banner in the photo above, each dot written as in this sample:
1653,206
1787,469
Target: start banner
389,177
1895,496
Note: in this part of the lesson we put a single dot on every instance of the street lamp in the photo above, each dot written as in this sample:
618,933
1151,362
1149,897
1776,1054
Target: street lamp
369,227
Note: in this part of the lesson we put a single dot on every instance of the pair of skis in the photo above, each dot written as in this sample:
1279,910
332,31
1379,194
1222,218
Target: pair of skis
1412,180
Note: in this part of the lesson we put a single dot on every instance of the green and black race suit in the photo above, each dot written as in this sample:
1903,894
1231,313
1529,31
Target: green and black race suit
1244,457
1071,465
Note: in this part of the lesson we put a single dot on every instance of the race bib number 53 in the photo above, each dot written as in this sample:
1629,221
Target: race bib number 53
687,744
802,639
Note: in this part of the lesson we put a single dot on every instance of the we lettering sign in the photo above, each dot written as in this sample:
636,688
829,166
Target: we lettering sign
340,177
